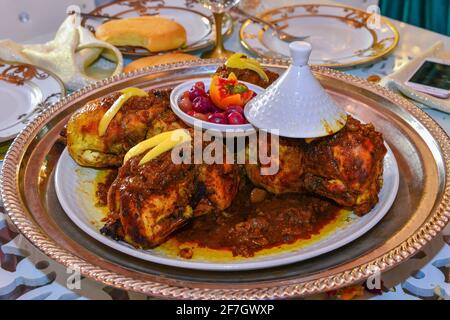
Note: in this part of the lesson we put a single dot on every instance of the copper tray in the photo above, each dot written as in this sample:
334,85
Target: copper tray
421,210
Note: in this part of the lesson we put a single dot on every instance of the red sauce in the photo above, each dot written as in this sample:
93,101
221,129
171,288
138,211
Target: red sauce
103,187
246,228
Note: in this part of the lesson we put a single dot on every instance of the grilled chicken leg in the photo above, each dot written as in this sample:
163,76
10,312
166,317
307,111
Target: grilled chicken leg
148,202
346,167
138,118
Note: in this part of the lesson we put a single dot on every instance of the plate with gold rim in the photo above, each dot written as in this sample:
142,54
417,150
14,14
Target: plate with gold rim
196,20
25,91
341,36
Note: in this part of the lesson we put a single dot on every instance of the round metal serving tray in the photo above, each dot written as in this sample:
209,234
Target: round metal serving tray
421,210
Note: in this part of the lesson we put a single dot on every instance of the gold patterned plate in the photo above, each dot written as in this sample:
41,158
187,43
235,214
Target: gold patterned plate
420,211
196,20
341,36
24,92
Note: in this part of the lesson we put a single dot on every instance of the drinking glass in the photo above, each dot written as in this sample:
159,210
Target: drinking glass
218,8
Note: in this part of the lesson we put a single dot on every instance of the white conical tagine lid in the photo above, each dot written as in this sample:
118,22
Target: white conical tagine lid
296,104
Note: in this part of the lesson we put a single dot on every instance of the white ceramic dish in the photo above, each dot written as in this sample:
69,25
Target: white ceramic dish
341,36
24,92
75,188
234,130
296,105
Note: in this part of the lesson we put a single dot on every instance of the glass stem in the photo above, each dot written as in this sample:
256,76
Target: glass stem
218,17
219,51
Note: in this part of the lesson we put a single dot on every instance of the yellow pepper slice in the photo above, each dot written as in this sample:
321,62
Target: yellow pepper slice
176,138
112,111
232,77
238,61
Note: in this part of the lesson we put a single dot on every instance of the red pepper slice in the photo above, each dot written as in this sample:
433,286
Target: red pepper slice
228,92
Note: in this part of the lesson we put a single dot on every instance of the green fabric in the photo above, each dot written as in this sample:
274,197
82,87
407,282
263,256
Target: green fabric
428,14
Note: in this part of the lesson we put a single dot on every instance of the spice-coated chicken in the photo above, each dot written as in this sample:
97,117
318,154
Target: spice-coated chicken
346,167
137,119
148,202
248,75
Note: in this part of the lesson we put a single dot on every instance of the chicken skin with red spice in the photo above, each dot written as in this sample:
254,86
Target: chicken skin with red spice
346,167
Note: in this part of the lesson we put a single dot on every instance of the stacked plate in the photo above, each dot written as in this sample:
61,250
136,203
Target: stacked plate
25,91
341,36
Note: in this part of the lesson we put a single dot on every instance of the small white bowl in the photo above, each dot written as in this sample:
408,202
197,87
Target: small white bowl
230,129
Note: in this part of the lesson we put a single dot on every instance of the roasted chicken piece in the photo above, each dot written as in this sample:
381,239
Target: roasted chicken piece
288,178
220,183
165,121
138,117
248,75
148,202
346,167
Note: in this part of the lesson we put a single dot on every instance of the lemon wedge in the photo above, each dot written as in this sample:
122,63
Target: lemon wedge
112,111
146,145
160,143
176,138
239,61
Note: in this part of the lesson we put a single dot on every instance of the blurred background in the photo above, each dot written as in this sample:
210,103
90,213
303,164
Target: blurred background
26,20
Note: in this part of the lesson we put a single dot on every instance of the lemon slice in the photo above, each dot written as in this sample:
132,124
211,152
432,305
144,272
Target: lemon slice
238,61
176,138
112,111
160,143
146,145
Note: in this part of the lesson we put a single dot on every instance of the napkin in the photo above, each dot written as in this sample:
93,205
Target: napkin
397,80
74,55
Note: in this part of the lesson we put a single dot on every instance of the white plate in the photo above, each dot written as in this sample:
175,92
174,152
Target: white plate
231,130
341,36
75,189
24,92
196,20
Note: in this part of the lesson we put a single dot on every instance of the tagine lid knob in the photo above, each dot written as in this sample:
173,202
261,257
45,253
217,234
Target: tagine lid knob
300,53
296,105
